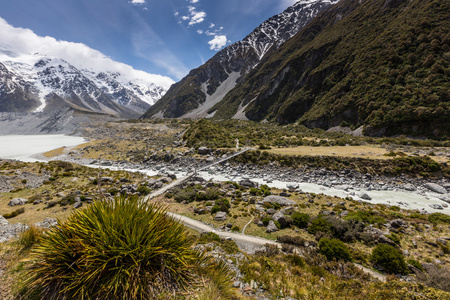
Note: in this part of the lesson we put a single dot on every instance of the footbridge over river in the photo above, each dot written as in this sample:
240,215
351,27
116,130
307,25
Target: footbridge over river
180,180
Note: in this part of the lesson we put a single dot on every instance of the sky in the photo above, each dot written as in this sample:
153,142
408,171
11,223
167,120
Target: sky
164,37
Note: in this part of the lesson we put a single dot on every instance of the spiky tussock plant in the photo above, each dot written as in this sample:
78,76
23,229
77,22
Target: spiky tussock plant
120,249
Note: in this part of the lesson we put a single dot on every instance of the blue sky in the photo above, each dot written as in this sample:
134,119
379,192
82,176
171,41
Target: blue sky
166,37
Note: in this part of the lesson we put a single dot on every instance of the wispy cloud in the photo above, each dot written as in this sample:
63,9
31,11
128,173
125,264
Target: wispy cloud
20,41
137,2
149,46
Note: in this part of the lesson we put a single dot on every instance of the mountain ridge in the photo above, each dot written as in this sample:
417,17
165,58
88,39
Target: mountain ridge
199,87
36,82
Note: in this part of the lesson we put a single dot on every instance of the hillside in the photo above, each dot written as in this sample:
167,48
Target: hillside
207,85
381,64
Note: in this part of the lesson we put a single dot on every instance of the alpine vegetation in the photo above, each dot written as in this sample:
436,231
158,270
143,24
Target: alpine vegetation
126,248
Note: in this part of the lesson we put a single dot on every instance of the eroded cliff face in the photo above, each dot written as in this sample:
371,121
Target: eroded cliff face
197,92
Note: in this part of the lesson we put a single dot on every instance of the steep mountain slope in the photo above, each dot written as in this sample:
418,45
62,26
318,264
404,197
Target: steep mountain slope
35,82
383,64
16,93
205,86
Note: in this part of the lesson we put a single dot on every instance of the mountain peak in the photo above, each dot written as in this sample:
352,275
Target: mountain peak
206,86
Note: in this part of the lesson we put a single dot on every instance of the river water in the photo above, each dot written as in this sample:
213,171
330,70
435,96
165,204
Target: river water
27,147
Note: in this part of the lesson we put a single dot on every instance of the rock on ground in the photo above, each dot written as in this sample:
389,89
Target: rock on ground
220,216
278,199
435,188
17,201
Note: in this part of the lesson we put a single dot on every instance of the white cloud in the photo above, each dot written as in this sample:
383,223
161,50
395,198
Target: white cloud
286,3
199,31
137,1
197,17
185,18
218,42
194,1
176,13
212,25
24,42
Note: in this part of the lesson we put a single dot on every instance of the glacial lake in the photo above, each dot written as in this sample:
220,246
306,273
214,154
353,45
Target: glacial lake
25,147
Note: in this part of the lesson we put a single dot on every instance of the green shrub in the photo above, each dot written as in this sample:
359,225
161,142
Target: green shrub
365,216
319,224
415,263
221,205
255,192
334,249
144,190
121,249
439,218
300,219
208,237
292,240
390,258
14,213
188,194
266,221
235,228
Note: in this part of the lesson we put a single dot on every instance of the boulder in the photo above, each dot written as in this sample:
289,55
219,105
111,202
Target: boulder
435,188
278,199
281,218
203,150
17,201
47,223
197,178
409,187
3,221
271,227
292,186
365,196
287,211
248,183
220,216
77,205
436,206
397,223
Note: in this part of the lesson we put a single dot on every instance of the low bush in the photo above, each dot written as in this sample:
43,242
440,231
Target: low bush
390,258
439,218
319,224
334,249
300,219
188,194
14,213
221,205
30,237
144,190
292,240
121,249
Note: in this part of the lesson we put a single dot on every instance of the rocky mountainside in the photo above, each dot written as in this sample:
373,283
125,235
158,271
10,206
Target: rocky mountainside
37,83
207,85
381,64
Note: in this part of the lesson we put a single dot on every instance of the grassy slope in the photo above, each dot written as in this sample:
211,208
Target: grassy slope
383,65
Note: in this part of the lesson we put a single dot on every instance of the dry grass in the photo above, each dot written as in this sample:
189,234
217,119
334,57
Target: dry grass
55,152
369,151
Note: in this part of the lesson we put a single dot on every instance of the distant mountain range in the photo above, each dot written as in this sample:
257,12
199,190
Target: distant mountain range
38,83
380,64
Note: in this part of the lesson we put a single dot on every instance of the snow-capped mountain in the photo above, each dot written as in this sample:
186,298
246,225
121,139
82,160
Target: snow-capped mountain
196,94
36,82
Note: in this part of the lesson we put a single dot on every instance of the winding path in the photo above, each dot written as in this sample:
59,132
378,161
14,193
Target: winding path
246,243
